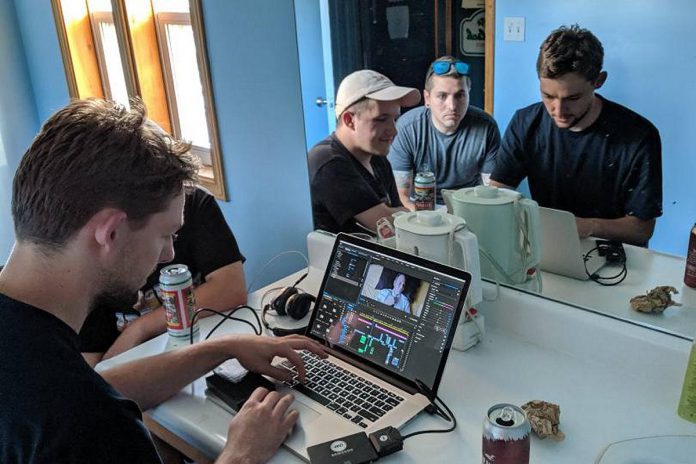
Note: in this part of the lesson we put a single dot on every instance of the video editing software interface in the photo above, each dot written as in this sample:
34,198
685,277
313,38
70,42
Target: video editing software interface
389,312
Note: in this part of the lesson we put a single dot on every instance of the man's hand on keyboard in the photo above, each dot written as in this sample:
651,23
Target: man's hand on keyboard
256,353
259,428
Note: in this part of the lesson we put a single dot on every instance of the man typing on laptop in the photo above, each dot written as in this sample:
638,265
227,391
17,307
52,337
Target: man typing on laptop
379,356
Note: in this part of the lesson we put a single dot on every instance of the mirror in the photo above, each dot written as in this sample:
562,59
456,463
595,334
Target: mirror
650,62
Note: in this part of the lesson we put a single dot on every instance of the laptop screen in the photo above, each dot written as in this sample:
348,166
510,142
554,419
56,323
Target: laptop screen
394,311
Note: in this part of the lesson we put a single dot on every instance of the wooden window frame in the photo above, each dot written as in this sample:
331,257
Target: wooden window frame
143,74
162,20
96,19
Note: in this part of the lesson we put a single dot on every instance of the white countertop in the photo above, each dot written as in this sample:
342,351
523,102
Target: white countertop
612,380
647,269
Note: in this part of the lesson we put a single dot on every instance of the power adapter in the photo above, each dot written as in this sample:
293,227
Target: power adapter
386,441
612,250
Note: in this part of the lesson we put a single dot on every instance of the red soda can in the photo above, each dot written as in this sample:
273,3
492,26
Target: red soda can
176,292
506,435
690,271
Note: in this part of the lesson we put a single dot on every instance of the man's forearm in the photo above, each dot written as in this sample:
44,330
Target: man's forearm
404,180
151,380
628,229
369,218
223,289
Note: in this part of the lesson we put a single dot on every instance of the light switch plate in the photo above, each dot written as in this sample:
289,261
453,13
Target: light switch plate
513,29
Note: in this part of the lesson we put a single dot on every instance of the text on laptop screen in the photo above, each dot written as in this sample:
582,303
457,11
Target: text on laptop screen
389,312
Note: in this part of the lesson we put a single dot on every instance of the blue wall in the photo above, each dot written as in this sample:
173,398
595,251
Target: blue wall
651,60
253,54
18,119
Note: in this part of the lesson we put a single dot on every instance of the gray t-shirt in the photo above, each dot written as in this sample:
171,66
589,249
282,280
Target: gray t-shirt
457,159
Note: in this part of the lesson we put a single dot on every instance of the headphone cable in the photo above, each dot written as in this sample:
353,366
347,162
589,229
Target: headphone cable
225,317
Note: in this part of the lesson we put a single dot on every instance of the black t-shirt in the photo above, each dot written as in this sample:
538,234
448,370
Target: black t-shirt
609,170
204,243
341,187
54,408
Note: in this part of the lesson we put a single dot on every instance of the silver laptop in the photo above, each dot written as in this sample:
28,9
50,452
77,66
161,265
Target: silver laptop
387,319
563,252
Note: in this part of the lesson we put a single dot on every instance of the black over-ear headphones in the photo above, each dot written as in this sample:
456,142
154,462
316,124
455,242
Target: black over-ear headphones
291,302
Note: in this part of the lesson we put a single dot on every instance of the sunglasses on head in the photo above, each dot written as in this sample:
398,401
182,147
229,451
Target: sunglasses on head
443,67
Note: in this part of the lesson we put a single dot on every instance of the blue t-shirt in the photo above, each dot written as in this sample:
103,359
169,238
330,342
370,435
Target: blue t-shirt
457,159
609,170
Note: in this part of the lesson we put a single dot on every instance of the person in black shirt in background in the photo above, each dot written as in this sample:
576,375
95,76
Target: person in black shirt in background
97,200
207,246
351,180
581,152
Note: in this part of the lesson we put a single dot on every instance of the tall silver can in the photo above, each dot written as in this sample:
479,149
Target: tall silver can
178,299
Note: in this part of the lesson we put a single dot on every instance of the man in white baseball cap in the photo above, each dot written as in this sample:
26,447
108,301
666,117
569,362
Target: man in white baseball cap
351,180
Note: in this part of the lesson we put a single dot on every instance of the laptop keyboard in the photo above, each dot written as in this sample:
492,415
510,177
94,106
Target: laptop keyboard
343,392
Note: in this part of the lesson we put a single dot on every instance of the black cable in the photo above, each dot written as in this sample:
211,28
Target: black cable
449,417
225,317
440,413
229,317
304,276
621,275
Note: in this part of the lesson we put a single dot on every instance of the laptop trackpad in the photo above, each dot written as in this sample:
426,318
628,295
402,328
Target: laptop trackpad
307,414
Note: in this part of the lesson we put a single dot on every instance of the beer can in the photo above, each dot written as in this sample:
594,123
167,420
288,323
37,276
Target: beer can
424,191
176,292
690,271
506,435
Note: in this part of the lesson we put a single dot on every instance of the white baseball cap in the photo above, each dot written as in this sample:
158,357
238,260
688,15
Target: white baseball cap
375,86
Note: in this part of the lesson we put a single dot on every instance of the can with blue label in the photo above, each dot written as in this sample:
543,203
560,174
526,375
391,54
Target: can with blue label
424,191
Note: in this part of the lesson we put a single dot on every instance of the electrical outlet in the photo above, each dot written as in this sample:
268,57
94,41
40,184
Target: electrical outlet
513,29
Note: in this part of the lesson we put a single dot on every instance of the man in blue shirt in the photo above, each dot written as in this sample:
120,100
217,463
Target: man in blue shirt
447,136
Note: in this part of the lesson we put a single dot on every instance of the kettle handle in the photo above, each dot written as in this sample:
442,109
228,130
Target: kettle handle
447,196
529,219
467,252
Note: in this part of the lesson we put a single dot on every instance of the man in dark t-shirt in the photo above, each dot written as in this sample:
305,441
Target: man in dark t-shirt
581,152
351,181
96,202
207,246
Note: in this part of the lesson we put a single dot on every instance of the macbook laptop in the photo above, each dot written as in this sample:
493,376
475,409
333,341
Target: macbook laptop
387,320
563,252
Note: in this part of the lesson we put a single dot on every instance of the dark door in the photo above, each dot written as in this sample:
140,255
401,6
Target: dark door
400,38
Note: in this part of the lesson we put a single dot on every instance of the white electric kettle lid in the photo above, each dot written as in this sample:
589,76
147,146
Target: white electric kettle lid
486,195
428,222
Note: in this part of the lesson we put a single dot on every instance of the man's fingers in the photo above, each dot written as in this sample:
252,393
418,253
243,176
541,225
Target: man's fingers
258,395
283,404
299,342
290,419
294,357
277,373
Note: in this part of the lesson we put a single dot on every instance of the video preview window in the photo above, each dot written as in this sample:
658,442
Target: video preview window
395,289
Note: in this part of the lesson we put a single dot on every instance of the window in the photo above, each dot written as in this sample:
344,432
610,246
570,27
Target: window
154,49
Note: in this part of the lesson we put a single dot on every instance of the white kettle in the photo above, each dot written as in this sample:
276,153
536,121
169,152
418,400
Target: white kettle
441,237
507,227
